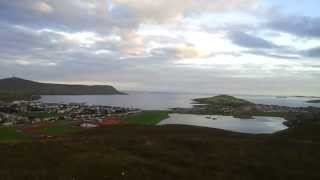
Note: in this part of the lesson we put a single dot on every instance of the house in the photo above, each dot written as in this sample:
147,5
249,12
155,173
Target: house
7,123
88,125
111,121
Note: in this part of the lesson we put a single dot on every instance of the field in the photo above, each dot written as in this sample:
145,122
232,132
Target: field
147,117
30,132
11,134
166,152
38,114
9,97
59,129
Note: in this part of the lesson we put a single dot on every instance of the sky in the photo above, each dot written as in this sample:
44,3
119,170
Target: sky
266,47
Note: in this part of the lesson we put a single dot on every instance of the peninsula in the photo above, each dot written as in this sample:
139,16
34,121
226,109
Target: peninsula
314,101
21,89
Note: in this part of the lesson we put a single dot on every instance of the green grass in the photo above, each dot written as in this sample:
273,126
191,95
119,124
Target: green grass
251,114
271,114
11,134
147,117
9,97
37,114
223,100
56,129
59,129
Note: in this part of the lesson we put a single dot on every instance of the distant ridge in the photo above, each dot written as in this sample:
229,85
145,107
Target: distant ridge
18,86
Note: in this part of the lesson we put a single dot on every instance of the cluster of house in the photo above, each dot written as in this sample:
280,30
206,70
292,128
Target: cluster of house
24,112
11,119
274,108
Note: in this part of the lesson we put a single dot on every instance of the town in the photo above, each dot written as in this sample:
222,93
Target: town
86,116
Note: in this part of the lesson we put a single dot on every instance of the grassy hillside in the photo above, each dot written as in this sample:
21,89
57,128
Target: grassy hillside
11,134
20,87
147,117
223,100
9,97
314,101
166,152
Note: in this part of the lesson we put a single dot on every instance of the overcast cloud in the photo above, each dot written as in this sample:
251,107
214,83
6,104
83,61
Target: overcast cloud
232,46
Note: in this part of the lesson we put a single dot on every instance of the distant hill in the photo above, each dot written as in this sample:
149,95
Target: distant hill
18,86
314,101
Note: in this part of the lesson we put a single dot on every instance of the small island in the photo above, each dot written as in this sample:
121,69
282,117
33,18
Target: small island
240,108
223,101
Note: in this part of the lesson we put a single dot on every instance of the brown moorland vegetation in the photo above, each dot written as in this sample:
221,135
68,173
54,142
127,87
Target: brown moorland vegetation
167,152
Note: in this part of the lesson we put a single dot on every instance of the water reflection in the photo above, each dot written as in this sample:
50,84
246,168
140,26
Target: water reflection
257,125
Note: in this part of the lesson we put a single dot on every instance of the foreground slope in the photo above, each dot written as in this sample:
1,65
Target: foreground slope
167,152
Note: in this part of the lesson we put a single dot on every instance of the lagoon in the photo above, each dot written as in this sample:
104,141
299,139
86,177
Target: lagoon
256,125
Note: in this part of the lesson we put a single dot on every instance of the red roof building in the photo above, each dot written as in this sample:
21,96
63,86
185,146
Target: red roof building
111,121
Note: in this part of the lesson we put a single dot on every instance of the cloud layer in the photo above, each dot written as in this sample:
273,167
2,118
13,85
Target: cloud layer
233,46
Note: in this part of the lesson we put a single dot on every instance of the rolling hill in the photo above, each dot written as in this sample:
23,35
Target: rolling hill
21,87
223,100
